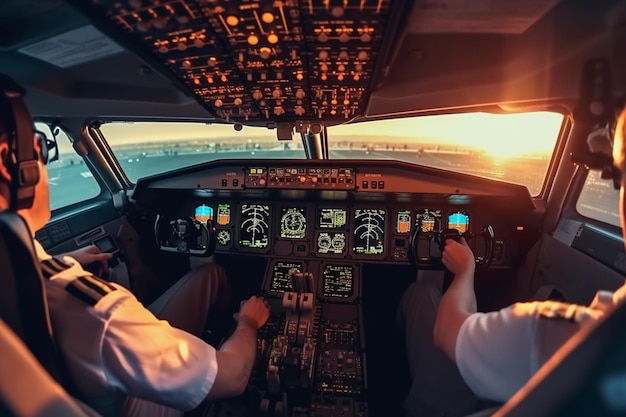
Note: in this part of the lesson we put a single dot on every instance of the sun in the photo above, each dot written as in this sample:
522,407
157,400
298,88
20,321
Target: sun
513,135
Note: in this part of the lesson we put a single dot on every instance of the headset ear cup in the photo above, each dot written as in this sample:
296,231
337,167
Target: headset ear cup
22,163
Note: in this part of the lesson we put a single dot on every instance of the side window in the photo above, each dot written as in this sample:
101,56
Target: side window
69,178
599,200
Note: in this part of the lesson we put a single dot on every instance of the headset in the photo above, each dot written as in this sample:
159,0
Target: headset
22,161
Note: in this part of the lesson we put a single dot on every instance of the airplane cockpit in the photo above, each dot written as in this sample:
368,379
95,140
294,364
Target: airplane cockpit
322,152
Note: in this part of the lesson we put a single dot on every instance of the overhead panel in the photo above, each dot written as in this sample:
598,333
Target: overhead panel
259,60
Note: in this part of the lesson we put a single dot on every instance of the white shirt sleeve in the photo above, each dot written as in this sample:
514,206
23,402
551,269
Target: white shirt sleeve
495,352
149,359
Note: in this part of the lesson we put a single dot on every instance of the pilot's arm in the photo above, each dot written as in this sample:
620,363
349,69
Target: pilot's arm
237,355
459,301
496,352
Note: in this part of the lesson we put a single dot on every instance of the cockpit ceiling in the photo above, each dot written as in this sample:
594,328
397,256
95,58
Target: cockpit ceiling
262,60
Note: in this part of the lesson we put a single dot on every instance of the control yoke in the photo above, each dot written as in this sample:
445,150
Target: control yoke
185,235
426,248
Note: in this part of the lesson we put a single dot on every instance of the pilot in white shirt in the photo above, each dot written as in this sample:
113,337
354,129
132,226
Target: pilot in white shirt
116,347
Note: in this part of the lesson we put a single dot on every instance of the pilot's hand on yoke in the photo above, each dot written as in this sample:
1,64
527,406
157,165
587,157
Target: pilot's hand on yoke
254,310
92,259
458,257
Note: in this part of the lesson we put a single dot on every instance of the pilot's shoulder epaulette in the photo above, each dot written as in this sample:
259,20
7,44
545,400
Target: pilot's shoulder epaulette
53,266
89,289
558,310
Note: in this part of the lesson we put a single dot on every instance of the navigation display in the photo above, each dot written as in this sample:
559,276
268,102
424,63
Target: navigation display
281,281
338,281
369,231
459,221
333,218
254,227
331,243
293,223
203,213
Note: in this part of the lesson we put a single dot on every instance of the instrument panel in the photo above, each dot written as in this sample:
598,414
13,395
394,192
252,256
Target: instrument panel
329,210
323,231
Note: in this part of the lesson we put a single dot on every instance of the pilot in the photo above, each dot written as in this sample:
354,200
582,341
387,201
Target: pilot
462,360
122,358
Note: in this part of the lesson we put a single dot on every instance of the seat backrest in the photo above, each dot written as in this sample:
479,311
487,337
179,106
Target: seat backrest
26,389
586,376
23,304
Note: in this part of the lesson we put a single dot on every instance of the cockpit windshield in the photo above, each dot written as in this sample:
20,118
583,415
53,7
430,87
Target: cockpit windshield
514,148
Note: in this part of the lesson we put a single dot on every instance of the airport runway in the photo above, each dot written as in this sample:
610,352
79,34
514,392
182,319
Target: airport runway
74,182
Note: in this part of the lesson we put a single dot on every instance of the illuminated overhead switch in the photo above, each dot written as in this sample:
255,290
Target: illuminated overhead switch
257,95
362,56
322,38
250,76
340,77
299,76
272,38
223,78
366,38
346,102
212,61
253,39
219,103
324,68
267,17
277,93
300,111
279,75
300,93
323,55
198,43
343,55
279,111
341,67
182,46
163,49
232,20
238,101
344,37
196,81
265,52
356,77
358,67
186,64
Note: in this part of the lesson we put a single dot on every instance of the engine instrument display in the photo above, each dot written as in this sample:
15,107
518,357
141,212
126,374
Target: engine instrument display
459,221
369,231
333,218
254,227
293,223
429,220
223,214
338,281
403,222
203,213
331,243
281,281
